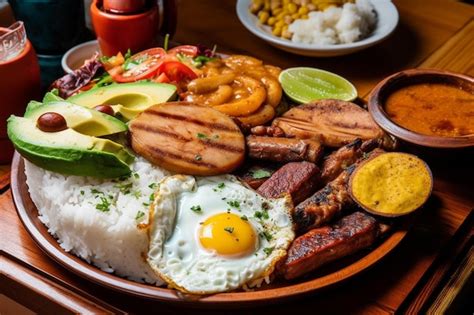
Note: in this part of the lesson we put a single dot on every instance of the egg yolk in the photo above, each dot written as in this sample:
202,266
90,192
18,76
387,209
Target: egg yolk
228,234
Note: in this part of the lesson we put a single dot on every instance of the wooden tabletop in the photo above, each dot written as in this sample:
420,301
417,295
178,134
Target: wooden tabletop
431,34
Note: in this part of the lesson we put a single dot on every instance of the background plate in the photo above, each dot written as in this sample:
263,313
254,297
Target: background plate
278,291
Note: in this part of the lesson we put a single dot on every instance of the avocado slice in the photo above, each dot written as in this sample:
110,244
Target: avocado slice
68,151
128,99
82,119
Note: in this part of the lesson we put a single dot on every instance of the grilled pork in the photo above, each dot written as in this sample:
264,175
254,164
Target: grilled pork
328,202
188,139
347,155
299,179
283,149
334,123
326,244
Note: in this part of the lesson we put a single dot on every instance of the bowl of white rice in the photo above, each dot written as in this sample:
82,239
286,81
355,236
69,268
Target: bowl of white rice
335,31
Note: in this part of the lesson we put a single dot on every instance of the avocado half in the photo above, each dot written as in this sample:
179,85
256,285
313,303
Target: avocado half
128,99
76,150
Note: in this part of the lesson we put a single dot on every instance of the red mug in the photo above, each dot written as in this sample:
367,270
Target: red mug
120,32
19,83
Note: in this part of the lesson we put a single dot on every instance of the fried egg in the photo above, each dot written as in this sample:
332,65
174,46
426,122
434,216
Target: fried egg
213,234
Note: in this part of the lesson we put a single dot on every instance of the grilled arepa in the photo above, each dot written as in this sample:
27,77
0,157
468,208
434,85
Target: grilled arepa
187,138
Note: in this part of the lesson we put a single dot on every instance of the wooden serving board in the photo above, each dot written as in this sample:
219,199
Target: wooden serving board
432,34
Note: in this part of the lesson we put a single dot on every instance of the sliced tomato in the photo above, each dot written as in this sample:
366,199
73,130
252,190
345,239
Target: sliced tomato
162,78
176,71
187,50
140,66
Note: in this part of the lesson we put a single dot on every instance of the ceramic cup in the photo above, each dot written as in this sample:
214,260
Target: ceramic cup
120,32
19,83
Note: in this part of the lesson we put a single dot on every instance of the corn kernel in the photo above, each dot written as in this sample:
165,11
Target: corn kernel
305,17
303,10
263,16
277,31
288,19
271,21
286,34
292,8
295,16
279,24
277,11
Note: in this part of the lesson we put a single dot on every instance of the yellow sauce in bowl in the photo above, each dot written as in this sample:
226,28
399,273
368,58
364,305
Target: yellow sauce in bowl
433,109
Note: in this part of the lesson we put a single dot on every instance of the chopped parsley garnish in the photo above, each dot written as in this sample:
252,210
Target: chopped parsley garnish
196,209
268,250
265,215
137,194
234,204
244,217
260,173
136,175
153,185
82,192
215,137
201,135
229,229
128,54
266,235
152,197
197,157
139,215
104,205
146,204
124,188
219,186
96,191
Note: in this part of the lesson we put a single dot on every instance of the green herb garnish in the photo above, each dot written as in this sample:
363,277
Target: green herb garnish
197,157
266,235
260,173
196,209
268,250
152,185
82,192
229,229
96,191
128,54
201,135
139,215
124,188
234,203
103,205
244,217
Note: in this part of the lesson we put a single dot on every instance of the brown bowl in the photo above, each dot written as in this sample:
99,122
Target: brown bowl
379,95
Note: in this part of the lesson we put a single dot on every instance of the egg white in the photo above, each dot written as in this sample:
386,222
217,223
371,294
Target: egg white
175,252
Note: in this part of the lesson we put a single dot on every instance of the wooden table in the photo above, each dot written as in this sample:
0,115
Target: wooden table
431,34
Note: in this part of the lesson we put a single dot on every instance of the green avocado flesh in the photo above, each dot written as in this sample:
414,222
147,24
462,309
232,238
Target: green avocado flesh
128,99
82,119
68,151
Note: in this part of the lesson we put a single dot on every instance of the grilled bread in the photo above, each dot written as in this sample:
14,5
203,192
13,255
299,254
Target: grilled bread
188,139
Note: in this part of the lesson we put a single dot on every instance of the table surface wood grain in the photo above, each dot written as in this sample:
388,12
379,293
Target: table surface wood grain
432,34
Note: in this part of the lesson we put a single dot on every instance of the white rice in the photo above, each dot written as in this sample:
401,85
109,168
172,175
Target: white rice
336,25
109,239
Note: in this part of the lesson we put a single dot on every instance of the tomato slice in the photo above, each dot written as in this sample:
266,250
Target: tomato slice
176,71
162,78
187,50
140,66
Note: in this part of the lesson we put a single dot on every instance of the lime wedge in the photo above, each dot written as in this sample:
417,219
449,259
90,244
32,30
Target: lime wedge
304,85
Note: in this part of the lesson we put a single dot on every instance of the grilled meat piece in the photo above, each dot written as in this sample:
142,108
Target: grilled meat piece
267,131
338,160
328,202
283,149
334,123
256,175
326,244
299,179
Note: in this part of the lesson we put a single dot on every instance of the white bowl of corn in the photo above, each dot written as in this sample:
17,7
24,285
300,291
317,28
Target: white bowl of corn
319,28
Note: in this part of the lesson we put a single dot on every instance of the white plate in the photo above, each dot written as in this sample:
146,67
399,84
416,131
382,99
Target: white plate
387,20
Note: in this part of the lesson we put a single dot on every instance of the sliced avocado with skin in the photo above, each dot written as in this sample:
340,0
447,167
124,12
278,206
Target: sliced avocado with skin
82,119
128,99
32,105
68,151
52,97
